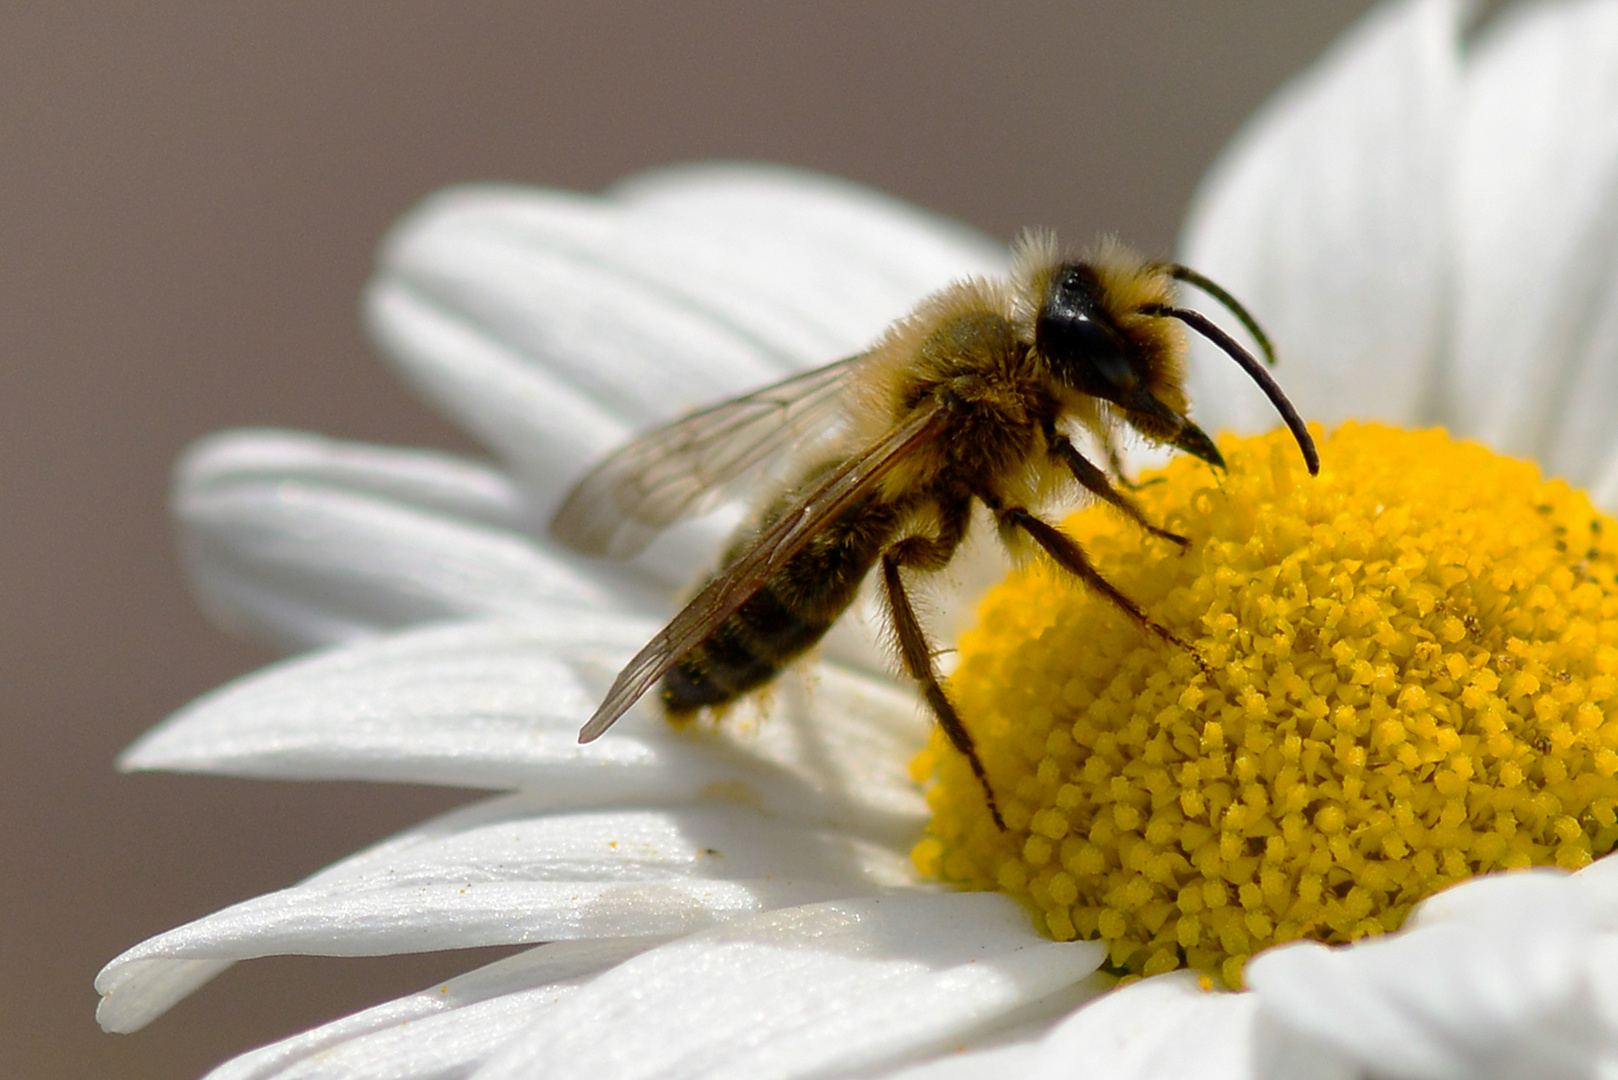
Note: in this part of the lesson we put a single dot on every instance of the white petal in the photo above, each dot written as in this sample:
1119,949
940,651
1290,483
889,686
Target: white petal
299,541
998,1064
449,1025
428,479
1601,974
1012,1041
445,1045
1603,487
1494,900
499,705
815,991
1488,983
1536,220
1326,218
1163,1027
265,561
525,414
505,872
1599,884
524,840
135,995
1281,1052
1009,1046
553,323
444,1030
854,256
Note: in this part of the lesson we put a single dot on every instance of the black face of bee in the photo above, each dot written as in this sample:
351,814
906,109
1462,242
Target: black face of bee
1075,334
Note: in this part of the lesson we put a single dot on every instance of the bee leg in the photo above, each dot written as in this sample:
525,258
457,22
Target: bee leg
1120,475
1093,480
1070,556
1115,464
931,553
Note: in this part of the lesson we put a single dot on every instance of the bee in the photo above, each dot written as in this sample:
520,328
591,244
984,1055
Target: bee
972,398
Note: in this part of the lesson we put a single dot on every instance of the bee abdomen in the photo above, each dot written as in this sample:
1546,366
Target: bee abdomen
743,654
785,618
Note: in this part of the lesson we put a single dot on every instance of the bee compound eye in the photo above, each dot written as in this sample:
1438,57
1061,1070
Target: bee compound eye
1076,336
1084,351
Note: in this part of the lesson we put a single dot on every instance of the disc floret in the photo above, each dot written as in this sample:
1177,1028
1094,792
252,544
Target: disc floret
1414,679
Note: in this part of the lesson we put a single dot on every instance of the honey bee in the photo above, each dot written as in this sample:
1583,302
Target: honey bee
971,398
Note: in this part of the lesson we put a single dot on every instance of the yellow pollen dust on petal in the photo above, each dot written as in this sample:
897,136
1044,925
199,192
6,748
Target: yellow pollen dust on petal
1414,663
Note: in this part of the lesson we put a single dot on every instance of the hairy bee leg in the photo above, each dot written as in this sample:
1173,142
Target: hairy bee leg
1115,462
1093,480
917,657
1119,474
932,553
1070,557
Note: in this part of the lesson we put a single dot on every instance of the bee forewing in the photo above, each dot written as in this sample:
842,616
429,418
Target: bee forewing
689,466
774,546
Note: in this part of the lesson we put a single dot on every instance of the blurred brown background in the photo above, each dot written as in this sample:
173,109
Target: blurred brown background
189,199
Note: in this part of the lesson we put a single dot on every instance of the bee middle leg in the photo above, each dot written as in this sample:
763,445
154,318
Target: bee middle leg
1071,557
1093,480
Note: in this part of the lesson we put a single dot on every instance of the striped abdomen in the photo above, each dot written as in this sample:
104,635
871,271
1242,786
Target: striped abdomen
786,617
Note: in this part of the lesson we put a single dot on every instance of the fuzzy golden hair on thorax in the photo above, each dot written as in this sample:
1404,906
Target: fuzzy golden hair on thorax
912,353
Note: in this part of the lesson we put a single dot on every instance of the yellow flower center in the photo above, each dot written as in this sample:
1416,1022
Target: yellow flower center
1414,680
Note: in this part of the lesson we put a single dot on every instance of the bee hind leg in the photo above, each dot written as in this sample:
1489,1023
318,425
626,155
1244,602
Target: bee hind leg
1071,557
932,553
917,657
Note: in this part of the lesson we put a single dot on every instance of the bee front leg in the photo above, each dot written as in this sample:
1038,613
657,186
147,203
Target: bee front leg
1120,475
1115,464
1093,480
1071,557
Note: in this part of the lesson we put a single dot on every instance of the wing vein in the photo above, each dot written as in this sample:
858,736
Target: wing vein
687,466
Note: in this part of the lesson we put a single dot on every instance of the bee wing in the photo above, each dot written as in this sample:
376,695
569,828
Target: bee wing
742,579
684,468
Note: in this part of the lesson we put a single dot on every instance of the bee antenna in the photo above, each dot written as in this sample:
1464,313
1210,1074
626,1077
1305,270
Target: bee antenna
1232,305
1250,364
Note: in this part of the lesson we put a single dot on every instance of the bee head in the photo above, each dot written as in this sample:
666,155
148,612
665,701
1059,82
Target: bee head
1078,337
1096,343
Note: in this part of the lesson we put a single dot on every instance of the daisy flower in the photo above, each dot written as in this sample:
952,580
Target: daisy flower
1427,230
